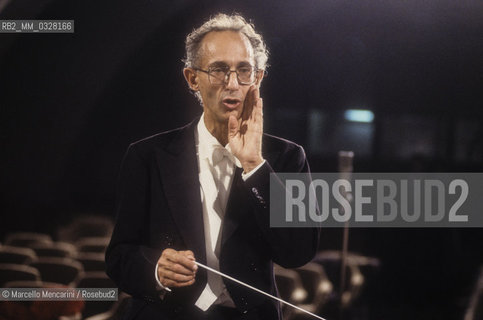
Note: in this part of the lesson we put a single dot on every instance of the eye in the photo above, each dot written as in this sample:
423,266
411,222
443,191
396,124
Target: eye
217,70
244,70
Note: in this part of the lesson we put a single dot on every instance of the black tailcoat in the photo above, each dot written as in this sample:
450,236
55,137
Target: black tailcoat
159,207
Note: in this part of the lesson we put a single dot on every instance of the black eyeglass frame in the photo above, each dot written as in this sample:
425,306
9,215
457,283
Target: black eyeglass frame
228,74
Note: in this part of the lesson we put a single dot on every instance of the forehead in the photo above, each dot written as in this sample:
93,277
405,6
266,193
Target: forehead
231,47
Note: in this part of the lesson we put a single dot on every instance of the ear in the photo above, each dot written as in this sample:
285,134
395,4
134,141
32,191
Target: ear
191,78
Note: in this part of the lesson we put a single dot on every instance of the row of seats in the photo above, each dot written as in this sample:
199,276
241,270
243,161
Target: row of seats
86,249
65,271
316,286
55,276
59,262
87,226
76,259
79,255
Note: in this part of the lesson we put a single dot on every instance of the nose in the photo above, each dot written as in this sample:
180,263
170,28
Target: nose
232,80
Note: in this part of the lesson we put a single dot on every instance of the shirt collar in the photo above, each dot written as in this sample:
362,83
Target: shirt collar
207,143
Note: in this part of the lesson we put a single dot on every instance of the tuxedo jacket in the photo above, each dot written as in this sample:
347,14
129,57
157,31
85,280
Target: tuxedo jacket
159,206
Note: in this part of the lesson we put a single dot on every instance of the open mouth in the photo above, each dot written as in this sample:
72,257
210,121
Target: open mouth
231,103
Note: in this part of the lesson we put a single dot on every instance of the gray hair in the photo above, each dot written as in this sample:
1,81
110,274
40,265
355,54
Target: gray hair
223,22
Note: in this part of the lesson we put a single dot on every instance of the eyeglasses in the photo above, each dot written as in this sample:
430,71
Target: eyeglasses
220,75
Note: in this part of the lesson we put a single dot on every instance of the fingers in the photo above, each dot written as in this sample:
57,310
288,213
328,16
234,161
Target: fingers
176,284
183,259
251,99
176,268
252,118
257,102
258,112
189,254
232,127
256,92
245,134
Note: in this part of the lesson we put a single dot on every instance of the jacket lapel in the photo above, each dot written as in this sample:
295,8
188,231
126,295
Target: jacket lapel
234,207
178,167
238,203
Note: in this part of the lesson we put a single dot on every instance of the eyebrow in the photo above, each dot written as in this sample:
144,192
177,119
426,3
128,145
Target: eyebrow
224,64
218,64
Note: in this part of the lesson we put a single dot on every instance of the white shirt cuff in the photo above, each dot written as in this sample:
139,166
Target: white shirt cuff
245,176
159,286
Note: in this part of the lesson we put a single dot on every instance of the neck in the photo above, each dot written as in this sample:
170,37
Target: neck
218,130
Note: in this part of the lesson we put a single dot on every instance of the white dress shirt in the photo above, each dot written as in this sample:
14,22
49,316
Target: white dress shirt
216,167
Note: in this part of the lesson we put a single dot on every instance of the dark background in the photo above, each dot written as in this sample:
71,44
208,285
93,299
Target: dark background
71,103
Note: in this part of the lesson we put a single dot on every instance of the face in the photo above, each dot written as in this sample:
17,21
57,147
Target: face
220,48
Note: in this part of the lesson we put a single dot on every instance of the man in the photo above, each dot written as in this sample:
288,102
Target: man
201,193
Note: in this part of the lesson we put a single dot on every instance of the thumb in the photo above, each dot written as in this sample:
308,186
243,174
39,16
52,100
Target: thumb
232,127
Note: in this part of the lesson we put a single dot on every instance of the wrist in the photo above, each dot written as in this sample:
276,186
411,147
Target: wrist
252,164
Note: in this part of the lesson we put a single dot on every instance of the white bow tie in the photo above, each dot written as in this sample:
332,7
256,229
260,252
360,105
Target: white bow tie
219,153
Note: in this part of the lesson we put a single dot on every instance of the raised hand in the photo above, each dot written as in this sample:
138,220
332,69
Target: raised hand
245,134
